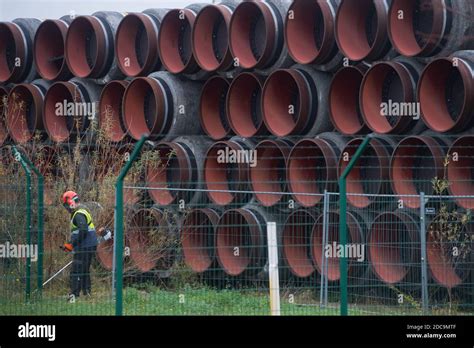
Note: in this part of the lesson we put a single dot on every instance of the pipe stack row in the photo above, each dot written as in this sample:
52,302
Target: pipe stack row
301,82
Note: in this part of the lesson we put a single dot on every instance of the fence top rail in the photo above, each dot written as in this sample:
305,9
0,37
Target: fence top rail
147,188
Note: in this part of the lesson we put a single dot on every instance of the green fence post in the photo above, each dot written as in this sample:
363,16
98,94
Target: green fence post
343,222
117,272
18,157
40,233
40,180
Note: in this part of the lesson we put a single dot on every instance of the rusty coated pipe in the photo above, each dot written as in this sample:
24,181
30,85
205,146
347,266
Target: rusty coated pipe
446,93
175,42
415,163
294,102
460,175
226,169
371,174
312,168
356,226
256,35
69,109
241,241
393,247
161,105
136,42
111,119
151,236
16,50
198,238
427,28
24,115
90,43
210,37
309,33
269,174
296,242
244,105
344,107
49,49
179,165
4,136
212,108
361,29
388,97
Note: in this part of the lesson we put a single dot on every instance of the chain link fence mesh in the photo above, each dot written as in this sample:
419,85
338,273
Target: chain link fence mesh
196,228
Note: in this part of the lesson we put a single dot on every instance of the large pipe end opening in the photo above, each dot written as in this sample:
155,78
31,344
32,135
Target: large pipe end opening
252,34
296,240
213,113
332,261
344,106
24,112
49,49
222,176
309,171
309,32
416,26
175,41
210,37
166,172
12,46
370,173
234,242
244,105
197,239
136,45
3,110
444,93
85,46
360,28
385,89
415,163
150,239
286,103
110,111
144,108
391,247
460,173
268,176
58,124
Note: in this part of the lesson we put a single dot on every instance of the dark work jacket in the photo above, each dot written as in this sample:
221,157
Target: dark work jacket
83,233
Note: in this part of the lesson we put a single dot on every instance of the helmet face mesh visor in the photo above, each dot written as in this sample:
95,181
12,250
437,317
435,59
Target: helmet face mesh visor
69,198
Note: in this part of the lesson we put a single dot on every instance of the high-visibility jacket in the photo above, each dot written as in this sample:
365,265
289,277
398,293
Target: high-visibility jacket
87,238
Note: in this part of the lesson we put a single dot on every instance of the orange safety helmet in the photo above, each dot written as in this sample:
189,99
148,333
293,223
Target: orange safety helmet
70,199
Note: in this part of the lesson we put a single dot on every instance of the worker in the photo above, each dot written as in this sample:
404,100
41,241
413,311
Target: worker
83,245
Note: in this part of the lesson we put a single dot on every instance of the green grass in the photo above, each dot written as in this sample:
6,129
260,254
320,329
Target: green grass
153,300
160,302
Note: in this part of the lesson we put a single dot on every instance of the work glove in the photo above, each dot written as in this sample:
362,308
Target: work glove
66,247
105,234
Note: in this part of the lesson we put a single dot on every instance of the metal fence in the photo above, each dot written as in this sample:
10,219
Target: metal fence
401,261
34,271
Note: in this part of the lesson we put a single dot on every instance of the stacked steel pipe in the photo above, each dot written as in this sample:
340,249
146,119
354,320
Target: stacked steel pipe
300,82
